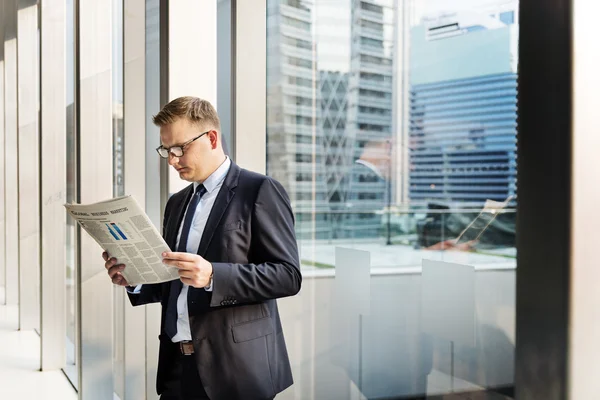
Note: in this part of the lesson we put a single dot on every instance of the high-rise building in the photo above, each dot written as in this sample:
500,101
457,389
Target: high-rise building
294,134
339,148
370,116
463,106
330,109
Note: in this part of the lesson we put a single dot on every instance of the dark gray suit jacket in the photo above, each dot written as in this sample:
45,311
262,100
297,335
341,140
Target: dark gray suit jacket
236,331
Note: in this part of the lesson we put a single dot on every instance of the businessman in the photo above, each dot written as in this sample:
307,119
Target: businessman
232,232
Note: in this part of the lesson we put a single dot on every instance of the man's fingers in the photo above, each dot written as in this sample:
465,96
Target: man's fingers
112,272
116,279
185,274
105,256
119,279
182,265
109,263
172,255
187,281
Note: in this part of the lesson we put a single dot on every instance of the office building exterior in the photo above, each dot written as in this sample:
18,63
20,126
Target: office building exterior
463,95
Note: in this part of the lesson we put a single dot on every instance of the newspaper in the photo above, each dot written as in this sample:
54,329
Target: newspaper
488,214
123,229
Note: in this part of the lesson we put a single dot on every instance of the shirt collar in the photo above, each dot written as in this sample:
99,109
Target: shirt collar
215,179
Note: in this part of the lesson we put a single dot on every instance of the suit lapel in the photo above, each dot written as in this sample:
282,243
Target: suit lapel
219,207
178,211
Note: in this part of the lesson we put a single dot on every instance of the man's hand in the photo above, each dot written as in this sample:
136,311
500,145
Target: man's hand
193,269
114,270
452,245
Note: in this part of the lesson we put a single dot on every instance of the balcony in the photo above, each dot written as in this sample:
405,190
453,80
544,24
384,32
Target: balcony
295,13
371,67
372,101
370,118
296,90
294,32
306,130
375,85
300,72
303,111
376,51
289,50
370,16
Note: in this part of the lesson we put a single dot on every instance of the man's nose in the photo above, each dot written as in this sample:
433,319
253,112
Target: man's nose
172,159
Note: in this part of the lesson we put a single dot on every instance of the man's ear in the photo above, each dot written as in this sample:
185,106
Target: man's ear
214,138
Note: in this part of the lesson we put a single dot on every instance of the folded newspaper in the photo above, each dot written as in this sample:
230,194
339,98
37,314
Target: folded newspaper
488,214
123,229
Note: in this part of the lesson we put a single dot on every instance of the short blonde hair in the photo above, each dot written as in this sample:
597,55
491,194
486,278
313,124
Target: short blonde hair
194,109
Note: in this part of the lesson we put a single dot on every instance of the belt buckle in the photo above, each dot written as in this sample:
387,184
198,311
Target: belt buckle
187,348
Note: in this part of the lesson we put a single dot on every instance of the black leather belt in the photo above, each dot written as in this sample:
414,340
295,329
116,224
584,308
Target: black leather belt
186,347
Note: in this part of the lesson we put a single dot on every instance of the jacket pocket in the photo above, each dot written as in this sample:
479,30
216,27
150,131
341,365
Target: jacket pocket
252,329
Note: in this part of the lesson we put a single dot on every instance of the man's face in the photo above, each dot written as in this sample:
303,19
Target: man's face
195,163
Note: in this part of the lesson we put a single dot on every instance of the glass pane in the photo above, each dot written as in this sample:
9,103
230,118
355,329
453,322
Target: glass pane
71,239
118,188
117,71
392,125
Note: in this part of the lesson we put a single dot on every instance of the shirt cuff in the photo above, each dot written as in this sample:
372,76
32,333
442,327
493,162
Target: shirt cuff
133,290
209,288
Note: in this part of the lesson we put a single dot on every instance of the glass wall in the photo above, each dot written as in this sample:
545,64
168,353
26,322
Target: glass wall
118,156
392,125
72,196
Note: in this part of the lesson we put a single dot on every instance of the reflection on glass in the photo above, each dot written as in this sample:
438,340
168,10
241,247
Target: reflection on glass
71,231
117,73
391,125
118,186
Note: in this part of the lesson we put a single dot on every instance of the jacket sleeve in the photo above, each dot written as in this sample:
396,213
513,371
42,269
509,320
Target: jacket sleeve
149,293
273,249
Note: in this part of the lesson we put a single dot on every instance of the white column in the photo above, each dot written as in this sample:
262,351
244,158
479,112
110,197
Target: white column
134,118
2,105
585,198
250,78
53,159
28,165
156,185
94,54
11,185
192,25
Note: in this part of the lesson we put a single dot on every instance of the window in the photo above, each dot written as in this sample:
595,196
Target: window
405,151
294,80
299,62
287,21
71,231
299,43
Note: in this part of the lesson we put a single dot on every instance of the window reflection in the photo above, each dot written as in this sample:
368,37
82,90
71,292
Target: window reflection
118,187
392,125
71,231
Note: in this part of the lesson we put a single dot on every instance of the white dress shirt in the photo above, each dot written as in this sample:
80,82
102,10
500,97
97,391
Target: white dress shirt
212,184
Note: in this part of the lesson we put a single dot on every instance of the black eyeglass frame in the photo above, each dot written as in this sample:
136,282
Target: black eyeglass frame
169,150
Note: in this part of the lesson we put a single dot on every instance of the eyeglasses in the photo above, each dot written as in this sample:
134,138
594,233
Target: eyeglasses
177,151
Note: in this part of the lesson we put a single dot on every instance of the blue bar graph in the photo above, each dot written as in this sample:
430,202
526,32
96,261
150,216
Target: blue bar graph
119,231
112,233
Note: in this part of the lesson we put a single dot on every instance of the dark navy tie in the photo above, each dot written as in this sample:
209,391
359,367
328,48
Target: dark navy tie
176,285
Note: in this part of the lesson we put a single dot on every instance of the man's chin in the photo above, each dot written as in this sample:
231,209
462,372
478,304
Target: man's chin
185,175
